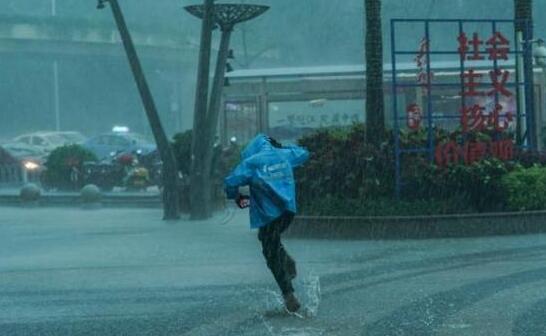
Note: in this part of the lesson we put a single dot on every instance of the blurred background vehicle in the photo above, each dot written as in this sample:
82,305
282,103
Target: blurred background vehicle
48,141
128,170
20,163
22,150
72,137
118,142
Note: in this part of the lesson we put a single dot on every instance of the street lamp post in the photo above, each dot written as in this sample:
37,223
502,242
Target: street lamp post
56,100
539,54
170,170
226,16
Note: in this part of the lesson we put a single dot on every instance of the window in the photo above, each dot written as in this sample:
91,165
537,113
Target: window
25,139
38,141
118,141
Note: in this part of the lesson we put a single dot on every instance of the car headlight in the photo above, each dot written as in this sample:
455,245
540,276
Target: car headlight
29,165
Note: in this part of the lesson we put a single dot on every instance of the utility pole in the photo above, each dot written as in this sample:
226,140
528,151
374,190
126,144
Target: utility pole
56,99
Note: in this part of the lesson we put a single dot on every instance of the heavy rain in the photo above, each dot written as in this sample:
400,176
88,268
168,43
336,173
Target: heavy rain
272,167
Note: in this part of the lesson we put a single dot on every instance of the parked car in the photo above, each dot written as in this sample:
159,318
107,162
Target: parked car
72,137
6,157
48,141
106,145
29,160
21,150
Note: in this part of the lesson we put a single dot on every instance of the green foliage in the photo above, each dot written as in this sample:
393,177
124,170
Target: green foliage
524,188
345,176
476,186
62,162
342,164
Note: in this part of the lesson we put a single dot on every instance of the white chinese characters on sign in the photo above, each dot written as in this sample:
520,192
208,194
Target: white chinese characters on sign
421,60
302,120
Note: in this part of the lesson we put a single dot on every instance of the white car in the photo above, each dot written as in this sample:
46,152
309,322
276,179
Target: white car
48,141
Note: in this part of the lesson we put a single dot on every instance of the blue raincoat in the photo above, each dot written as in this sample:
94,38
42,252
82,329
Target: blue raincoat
269,173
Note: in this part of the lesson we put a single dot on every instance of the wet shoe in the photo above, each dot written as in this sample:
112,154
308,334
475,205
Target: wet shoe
291,303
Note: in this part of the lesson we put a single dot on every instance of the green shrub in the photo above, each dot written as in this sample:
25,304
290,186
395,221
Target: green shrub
476,186
359,178
342,165
61,163
524,189
345,176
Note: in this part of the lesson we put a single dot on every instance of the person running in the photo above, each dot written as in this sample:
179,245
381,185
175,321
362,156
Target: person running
267,168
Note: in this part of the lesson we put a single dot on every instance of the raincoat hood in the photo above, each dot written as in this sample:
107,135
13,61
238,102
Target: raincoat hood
259,143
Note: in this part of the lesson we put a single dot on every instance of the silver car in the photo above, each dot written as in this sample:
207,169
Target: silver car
48,141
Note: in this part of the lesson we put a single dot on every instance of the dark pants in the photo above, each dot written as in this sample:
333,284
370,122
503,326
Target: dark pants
279,262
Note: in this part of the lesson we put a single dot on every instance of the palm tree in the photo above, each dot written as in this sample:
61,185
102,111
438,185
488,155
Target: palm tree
375,110
523,11
200,180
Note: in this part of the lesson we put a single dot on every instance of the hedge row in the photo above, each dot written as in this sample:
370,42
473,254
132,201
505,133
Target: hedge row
347,177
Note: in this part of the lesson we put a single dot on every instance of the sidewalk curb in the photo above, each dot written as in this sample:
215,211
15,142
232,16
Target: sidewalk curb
127,201
418,227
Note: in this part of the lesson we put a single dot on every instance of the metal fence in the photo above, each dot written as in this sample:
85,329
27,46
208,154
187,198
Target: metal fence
469,53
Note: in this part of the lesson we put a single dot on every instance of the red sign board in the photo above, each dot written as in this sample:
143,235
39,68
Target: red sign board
475,116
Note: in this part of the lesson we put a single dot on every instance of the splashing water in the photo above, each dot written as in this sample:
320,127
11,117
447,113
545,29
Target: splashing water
307,290
273,301
311,294
301,332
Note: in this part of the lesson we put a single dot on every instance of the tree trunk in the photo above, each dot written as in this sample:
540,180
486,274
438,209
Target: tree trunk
215,107
170,169
200,179
375,115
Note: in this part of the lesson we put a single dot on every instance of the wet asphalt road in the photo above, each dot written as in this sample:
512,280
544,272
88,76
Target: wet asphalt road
125,272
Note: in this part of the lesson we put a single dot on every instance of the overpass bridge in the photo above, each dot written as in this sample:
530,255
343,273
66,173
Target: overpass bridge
55,36
48,61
